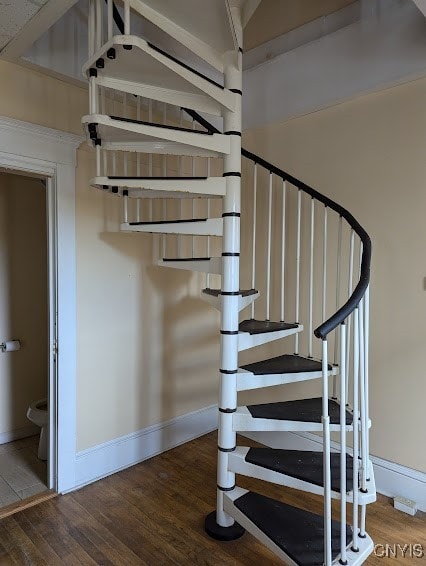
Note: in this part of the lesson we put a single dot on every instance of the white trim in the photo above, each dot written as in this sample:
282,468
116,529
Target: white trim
391,479
19,433
35,149
110,457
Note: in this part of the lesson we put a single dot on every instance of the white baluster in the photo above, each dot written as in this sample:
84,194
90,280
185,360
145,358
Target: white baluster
311,278
299,217
138,155
253,260
126,17
350,278
283,229
326,457
336,335
324,265
125,206
110,19
208,216
91,28
268,253
343,443
366,370
98,24
355,509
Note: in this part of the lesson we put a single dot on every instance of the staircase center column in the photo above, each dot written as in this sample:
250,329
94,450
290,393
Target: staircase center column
221,525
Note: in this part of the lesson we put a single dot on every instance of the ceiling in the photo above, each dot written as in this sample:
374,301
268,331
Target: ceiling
14,14
276,17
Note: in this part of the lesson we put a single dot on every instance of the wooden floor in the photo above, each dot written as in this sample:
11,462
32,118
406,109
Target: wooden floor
153,514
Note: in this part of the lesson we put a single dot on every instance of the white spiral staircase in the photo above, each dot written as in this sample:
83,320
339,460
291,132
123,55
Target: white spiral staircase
304,256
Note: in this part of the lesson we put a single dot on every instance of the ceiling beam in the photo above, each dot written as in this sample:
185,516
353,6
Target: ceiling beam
421,5
48,14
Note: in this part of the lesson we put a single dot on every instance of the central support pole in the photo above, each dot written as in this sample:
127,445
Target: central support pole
219,524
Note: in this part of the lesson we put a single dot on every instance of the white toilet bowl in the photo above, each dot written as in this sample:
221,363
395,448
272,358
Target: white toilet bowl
38,414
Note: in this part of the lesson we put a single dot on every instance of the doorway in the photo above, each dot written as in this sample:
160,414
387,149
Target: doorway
26,332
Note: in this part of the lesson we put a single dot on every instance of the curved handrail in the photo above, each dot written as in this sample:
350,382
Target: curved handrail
344,311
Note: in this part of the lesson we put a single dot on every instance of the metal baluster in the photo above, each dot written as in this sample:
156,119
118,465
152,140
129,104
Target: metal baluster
283,228
138,156
104,153
268,254
150,159
179,241
324,262
326,457
253,262
311,278
366,371
125,206
98,24
91,28
193,200
125,156
336,336
208,216
110,19
164,237
355,463
343,487
299,215
364,431
126,17
350,278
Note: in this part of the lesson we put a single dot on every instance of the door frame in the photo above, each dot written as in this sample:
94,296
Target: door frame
29,148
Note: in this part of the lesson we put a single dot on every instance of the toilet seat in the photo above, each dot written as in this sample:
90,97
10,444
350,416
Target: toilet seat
36,412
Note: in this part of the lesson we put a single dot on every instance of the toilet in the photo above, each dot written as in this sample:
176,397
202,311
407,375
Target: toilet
37,413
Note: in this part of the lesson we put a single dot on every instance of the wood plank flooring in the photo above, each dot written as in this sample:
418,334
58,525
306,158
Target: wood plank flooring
153,514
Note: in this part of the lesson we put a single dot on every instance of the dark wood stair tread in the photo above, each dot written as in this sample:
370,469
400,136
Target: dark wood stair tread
302,410
288,363
167,222
217,292
253,326
298,533
302,465
127,178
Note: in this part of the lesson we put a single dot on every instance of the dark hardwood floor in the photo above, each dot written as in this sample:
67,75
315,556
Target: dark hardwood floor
153,514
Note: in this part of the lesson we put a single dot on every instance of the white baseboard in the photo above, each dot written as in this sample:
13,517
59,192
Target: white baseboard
110,457
391,479
24,432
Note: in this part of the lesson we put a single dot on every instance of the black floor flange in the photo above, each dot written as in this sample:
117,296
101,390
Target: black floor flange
222,533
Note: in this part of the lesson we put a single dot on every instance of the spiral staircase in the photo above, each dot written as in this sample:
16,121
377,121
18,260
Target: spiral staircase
302,259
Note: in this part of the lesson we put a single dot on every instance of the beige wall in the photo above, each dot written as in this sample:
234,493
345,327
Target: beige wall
147,346
368,155
23,297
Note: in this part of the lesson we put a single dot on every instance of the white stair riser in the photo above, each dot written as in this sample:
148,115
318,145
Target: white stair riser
247,380
212,266
246,340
